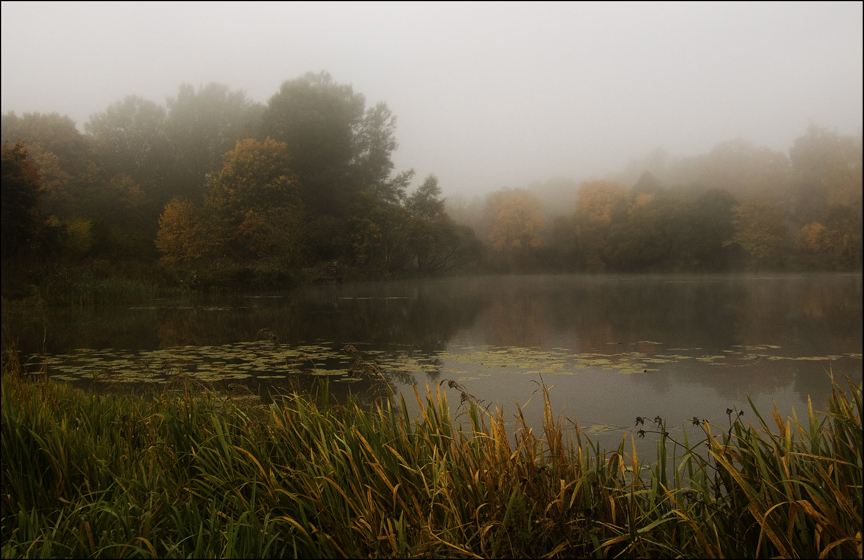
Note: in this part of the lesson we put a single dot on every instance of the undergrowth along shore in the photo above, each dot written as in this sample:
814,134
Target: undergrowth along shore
89,475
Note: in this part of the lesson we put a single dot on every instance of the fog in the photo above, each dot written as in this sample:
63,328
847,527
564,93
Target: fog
486,95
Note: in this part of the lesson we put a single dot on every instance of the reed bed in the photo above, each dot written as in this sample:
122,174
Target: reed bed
83,288
200,475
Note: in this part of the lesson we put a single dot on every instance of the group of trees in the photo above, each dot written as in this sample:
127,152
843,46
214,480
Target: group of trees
217,182
737,207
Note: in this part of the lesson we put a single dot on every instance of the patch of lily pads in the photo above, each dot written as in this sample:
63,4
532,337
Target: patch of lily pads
267,360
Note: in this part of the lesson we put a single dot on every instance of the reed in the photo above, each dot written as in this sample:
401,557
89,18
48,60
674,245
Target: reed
198,474
83,288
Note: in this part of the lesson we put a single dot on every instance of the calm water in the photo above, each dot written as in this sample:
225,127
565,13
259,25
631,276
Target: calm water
611,347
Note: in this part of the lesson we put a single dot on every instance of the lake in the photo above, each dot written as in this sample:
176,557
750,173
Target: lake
611,347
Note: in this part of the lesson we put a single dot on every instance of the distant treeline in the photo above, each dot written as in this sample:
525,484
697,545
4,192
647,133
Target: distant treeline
738,207
226,191
230,189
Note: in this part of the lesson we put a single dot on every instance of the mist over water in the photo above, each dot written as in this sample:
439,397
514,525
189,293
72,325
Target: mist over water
610,347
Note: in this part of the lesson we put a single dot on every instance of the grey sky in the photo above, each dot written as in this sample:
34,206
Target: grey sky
486,95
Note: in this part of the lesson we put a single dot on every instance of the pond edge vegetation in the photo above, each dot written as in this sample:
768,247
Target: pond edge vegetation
193,473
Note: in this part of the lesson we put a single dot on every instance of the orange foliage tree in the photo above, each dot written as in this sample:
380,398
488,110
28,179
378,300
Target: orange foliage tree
515,221
182,236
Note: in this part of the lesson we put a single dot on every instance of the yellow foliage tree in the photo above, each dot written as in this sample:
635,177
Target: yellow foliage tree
182,235
601,201
253,204
514,220
811,238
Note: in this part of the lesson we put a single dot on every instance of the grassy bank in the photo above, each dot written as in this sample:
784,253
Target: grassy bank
200,475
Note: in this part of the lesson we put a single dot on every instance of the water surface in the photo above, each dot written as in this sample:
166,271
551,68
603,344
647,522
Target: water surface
611,347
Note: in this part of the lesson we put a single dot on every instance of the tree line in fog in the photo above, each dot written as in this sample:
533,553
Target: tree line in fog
240,193
738,207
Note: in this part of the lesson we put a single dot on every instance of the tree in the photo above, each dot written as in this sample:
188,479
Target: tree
647,184
255,195
514,224
760,230
827,171
200,127
131,140
426,201
739,167
318,120
602,202
182,235
710,223
372,166
72,175
650,237
599,206
131,137
21,221
844,225
436,242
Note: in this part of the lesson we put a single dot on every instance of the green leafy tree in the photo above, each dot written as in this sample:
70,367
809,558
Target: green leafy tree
600,205
827,171
739,167
372,166
426,201
710,223
200,127
318,120
131,137
131,140
761,231
650,236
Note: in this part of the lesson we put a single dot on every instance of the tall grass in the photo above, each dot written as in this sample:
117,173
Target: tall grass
82,288
200,475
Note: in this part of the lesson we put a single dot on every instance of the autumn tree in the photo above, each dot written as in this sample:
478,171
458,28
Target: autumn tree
72,176
20,200
513,227
836,244
182,235
254,203
515,221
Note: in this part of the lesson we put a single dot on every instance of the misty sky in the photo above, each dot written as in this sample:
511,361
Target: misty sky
486,95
